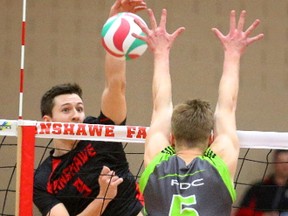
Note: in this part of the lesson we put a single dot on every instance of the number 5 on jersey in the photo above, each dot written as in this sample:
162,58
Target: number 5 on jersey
182,206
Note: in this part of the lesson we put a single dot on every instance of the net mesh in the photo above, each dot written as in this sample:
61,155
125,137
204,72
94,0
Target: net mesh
253,164
7,175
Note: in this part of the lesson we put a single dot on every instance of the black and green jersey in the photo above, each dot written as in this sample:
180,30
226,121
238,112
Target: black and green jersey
201,188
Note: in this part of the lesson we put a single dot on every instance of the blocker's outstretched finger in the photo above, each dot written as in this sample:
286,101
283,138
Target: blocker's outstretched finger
157,38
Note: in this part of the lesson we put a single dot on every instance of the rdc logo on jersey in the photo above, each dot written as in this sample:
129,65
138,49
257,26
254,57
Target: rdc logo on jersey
187,185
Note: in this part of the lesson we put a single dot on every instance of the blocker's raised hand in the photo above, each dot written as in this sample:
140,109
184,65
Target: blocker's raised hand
157,38
237,39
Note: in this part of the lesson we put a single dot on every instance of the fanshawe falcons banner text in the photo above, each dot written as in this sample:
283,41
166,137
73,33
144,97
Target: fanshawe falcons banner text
133,134
98,132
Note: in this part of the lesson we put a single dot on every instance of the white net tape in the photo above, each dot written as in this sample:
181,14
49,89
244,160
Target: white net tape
133,134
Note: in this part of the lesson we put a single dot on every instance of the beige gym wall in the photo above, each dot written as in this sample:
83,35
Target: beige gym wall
63,45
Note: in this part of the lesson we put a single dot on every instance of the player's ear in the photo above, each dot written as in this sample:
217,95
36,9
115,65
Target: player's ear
47,118
172,140
211,138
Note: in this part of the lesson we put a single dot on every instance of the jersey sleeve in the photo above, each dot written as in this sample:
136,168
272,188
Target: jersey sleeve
101,119
43,200
222,169
41,197
162,156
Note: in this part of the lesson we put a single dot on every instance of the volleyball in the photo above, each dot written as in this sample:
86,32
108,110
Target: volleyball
117,36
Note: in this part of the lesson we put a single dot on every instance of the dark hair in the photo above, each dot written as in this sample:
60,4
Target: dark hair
47,101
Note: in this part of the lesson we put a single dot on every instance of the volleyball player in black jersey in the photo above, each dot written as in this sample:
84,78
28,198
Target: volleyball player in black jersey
74,178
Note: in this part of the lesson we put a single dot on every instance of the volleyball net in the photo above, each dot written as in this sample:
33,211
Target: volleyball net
20,155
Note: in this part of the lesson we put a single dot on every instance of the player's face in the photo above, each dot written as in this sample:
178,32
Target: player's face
67,108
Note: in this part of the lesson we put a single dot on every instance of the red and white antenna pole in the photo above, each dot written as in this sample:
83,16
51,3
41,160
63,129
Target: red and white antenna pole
25,146
20,115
